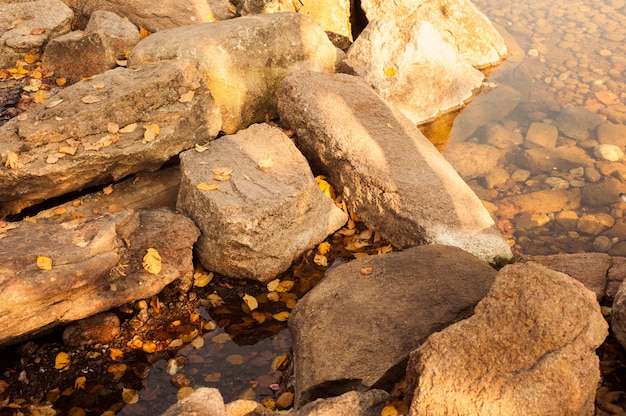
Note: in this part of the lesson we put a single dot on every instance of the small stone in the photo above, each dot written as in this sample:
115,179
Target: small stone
592,175
605,52
602,244
608,152
576,183
533,52
594,224
567,219
557,183
520,175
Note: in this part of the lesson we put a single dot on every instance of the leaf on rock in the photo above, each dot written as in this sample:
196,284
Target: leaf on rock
391,71
266,163
152,261
222,174
54,103
186,97
143,32
108,189
200,149
207,186
60,82
90,99
121,62
367,270
129,128
68,150
113,127
12,161
44,263
151,133
62,361
250,301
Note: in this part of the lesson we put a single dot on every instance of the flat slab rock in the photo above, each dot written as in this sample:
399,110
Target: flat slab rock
96,266
387,171
77,138
355,330
260,219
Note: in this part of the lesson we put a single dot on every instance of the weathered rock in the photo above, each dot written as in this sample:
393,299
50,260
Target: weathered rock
101,328
459,23
499,136
388,172
244,60
472,160
413,68
32,24
595,223
616,275
367,403
618,315
610,133
261,219
578,122
78,119
354,330
247,408
80,54
541,135
604,193
202,402
546,202
528,349
332,15
96,266
559,158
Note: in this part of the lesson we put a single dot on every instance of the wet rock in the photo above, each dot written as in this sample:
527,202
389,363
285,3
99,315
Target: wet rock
560,158
96,266
260,219
354,403
97,329
612,169
499,136
80,54
602,244
388,172
541,135
472,160
546,201
243,72
533,335
78,120
203,401
610,133
603,194
567,219
608,152
555,182
336,324
440,82
594,224
33,24
496,178
578,122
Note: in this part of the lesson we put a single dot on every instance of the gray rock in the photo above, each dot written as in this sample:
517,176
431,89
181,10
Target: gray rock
77,119
427,76
541,135
244,60
354,330
528,349
472,160
37,23
578,122
260,220
80,54
367,403
388,172
202,402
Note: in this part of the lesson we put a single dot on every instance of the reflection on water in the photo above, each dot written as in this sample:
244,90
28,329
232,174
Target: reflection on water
559,96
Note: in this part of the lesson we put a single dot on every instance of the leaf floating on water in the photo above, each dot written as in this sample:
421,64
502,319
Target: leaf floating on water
271,286
222,174
281,316
320,260
213,377
61,361
186,97
152,261
90,99
197,343
235,359
280,363
44,263
130,396
266,163
250,301
207,187
391,71
184,392
323,248
285,286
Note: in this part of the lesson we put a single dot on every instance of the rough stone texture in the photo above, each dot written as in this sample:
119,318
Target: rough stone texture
529,349
545,202
202,402
260,220
604,193
98,329
578,122
499,136
50,17
332,15
244,60
97,265
459,22
247,408
144,95
472,160
428,77
79,54
616,275
388,172
355,331
618,315
541,135
610,133
561,158
367,403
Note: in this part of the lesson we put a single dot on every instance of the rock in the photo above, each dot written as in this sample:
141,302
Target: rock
610,133
567,219
546,202
529,348
472,160
78,54
96,266
459,23
541,135
354,403
604,193
261,219
499,136
614,169
413,68
560,158
244,60
247,408
352,331
608,152
78,119
202,402
602,244
387,171
332,15
497,178
32,25
97,329
616,275
594,224
578,122
555,182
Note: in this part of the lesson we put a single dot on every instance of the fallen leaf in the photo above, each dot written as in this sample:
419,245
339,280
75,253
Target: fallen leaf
213,377
113,127
258,316
40,97
97,86
12,161
281,316
323,248
68,150
79,383
129,396
271,286
266,163
62,361
284,400
149,347
151,133
44,263
390,71
207,187
108,189
200,149
235,359
201,278
184,392
320,260
121,62
116,354
29,58
152,261
90,99
250,301
273,296
54,103
285,286
129,128
52,159
222,174
280,363
389,410
367,270
143,32
60,82
325,186
221,338
197,343
186,97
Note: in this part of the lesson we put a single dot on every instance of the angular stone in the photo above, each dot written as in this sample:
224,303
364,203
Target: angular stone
97,329
472,160
459,23
578,122
203,401
244,60
354,403
260,219
80,54
351,332
33,24
144,95
96,266
387,171
560,158
528,349
413,68
541,135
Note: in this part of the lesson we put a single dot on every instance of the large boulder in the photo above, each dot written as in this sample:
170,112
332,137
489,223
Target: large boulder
410,65
28,26
529,349
367,403
82,136
355,330
244,60
93,266
267,210
388,172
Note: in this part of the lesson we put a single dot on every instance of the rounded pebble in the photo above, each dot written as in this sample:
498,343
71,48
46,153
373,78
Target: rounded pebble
609,152
557,183
602,244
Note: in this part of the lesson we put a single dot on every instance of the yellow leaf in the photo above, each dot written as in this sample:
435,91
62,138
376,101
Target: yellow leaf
135,344
390,71
281,316
207,187
210,326
197,343
149,347
29,58
273,296
90,99
60,82
76,411
266,163
389,410
79,383
184,392
121,62
385,249
209,17
271,286
285,286
186,97
235,359
143,32
232,8
320,260
44,263
152,261
151,133
68,150
116,354
325,186
250,301
128,129
108,189
12,161
129,396
221,338
61,361
280,362
258,316
200,149
201,278
323,248
367,270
